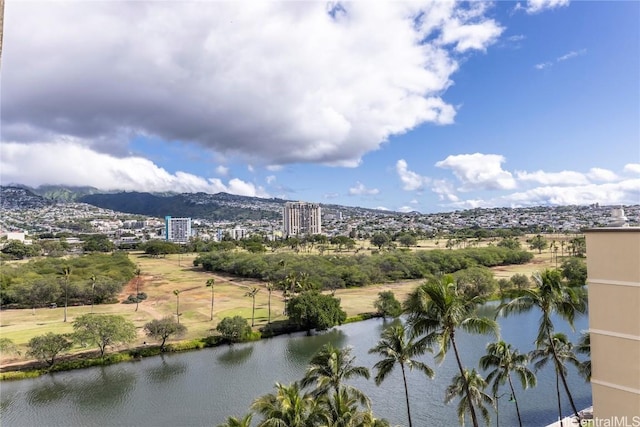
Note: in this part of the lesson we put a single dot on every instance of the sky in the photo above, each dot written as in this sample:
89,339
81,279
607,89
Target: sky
407,106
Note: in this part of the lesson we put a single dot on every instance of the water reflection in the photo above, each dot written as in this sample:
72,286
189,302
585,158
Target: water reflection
235,355
304,348
48,392
108,389
165,371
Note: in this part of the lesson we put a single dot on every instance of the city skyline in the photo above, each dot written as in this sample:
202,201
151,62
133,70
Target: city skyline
419,106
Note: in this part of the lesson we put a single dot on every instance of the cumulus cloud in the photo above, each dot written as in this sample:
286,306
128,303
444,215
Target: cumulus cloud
445,190
76,164
537,6
410,180
563,178
632,168
361,190
405,209
602,175
271,179
479,171
273,82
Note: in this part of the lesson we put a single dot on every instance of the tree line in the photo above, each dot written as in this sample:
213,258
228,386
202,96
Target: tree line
335,272
94,278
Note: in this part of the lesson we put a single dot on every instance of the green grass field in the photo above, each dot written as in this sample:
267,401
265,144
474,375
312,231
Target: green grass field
161,276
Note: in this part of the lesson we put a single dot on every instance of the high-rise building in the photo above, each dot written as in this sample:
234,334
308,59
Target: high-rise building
177,230
301,218
613,276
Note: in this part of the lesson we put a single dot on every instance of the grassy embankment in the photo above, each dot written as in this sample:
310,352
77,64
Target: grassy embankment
161,276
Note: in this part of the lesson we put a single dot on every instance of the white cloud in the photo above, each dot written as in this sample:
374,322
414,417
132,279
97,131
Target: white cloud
410,180
406,209
360,190
414,202
571,54
537,6
222,170
271,179
602,175
479,171
273,82
632,168
564,178
83,166
274,168
445,190
562,58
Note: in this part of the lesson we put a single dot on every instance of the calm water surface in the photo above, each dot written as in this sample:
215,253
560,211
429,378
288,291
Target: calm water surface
202,388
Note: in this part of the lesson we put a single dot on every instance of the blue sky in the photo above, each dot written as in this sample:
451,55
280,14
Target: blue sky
425,106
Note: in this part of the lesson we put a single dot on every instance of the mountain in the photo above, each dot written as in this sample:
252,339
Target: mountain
215,207
15,198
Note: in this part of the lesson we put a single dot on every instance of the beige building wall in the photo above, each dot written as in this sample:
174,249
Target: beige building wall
613,270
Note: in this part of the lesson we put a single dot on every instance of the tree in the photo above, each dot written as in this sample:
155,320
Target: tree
210,283
407,240
47,347
137,273
520,281
103,330
238,422
66,273
313,310
436,311
8,346
559,350
509,242
538,242
379,240
397,349
469,386
575,271
270,287
387,304
584,347
252,293
162,329
504,360
550,295
287,407
328,370
176,292
234,329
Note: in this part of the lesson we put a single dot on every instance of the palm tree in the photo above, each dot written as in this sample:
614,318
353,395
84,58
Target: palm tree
329,368
558,350
437,310
93,290
66,273
470,388
584,347
343,410
504,360
252,293
287,407
210,283
550,295
396,348
176,292
238,422
270,287
137,287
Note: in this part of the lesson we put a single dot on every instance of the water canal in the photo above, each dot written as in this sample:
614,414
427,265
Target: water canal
202,388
